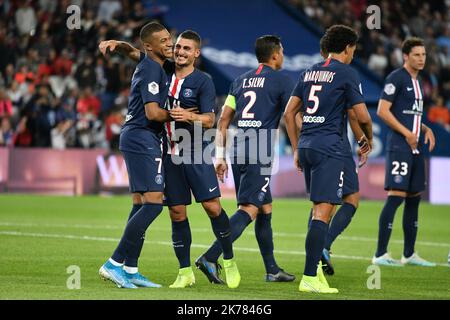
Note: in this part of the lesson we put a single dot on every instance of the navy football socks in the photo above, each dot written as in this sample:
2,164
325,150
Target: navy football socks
132,259
222,231
340,221
385,223
315,241
238,222
410,217
264,236
135,230
181,241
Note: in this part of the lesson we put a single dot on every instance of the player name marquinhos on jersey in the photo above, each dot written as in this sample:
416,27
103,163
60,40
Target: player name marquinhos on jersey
319,76
257,82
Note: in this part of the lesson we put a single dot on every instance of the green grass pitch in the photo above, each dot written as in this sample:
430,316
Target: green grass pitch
41,236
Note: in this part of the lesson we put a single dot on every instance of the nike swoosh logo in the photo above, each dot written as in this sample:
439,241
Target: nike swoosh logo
211,190
409,89
224,234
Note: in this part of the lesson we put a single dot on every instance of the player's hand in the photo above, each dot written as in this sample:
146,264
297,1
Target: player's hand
221,169
108,44
183,115
411,139
296,162
365,147
363,157
429,138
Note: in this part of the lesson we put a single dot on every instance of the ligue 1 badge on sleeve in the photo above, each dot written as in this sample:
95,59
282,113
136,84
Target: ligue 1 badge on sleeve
389,89
153,87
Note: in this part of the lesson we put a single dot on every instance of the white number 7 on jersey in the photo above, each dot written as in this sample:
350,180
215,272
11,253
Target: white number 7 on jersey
159,160
314,98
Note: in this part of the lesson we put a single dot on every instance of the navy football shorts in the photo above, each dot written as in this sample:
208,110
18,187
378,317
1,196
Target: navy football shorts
145,172
351,183
405,171
324,176
182,178
252,184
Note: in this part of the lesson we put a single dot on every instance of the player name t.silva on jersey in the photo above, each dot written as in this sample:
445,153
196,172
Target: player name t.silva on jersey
149,84
407,107
195,90
258,97
327,90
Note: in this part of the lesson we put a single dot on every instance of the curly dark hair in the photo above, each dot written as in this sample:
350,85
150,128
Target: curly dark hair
338,37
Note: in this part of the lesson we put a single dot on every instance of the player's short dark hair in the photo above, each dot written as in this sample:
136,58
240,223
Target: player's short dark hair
410,43
338,37
265,46
149,29
192,35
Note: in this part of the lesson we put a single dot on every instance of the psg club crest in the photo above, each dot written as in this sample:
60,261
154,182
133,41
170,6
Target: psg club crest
398,179
339,193
261,196
187,93
159,179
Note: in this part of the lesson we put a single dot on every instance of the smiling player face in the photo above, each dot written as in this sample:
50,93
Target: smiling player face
161,44
186,51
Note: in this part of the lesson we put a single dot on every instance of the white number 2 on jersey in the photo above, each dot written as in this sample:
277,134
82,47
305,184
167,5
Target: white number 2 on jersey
245,113
312,97
264,188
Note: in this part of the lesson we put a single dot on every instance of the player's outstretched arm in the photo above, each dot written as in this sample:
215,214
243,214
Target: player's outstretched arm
153,112
384,112
221,141
191,115
293,120
121,47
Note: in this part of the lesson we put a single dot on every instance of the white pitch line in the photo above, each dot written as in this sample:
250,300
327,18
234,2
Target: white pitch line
275,234
166,243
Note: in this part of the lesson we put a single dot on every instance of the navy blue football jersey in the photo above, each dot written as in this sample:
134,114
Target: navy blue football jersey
327,90
407,107
195,90
259,98
149,84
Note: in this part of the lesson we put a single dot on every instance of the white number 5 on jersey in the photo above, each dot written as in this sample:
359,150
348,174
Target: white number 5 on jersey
312,97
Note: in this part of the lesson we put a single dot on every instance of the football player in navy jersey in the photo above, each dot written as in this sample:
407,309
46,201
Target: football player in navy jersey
323,94
257,99
185,168
401,108
140,144
350,191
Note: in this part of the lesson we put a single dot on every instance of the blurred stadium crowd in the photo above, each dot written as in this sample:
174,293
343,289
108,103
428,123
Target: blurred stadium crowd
56,90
